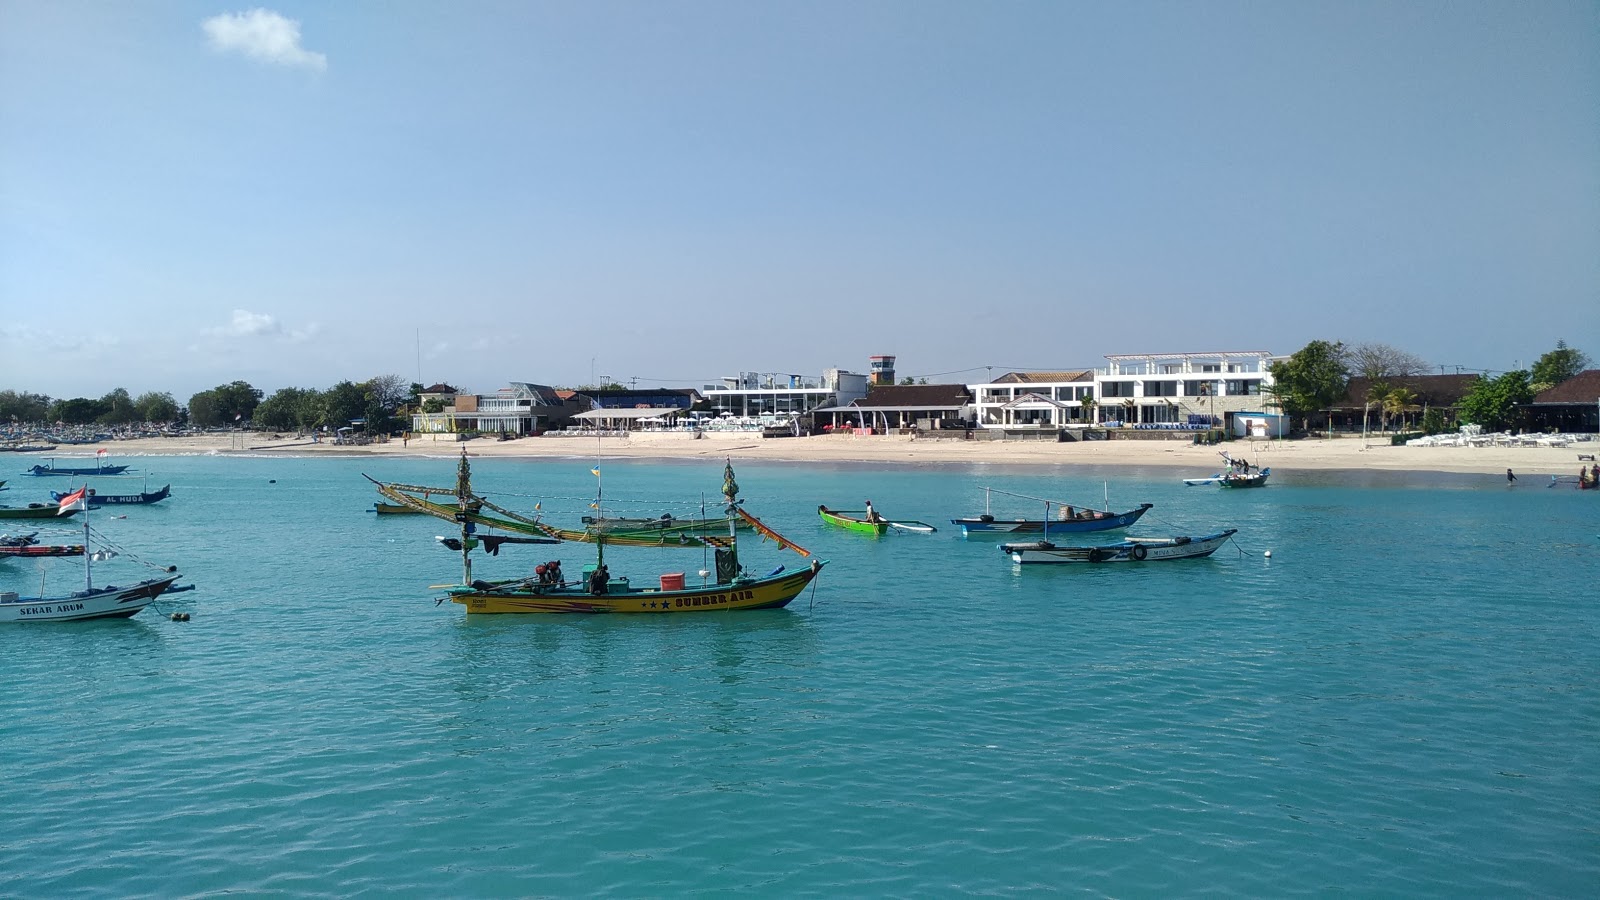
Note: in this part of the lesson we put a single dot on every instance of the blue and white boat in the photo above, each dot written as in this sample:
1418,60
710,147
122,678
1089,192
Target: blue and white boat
1139,549
1066,519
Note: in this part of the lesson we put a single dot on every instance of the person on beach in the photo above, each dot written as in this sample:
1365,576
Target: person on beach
1510,476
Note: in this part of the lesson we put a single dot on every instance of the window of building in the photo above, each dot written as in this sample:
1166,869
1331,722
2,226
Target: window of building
1116,389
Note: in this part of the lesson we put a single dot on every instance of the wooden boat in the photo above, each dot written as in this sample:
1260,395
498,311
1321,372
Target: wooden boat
96,500
852,520
867,522
75,472
35,511
23,551
1066,519
108,602
393,509
1138,549
667,524
727,587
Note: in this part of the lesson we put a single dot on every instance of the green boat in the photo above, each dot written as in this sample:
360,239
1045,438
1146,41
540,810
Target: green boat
854,520
35,511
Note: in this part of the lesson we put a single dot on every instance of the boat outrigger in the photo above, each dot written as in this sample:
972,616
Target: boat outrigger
726,585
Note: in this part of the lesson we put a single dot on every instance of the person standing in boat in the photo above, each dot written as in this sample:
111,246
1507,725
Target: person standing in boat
872,514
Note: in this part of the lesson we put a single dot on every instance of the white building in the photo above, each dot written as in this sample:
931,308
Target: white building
756,394
1142,390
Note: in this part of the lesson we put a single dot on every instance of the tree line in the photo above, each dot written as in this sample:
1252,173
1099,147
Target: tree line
1318,375
382,404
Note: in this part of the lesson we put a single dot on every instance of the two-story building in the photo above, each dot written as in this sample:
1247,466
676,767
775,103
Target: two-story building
1140,390
520,408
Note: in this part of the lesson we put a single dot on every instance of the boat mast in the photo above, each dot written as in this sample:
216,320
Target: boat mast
730,490
463,504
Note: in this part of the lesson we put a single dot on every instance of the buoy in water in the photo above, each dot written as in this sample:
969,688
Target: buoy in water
272,481
1268,554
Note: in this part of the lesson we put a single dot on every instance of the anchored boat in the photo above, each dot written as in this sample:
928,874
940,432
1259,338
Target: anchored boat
724,585
1131,550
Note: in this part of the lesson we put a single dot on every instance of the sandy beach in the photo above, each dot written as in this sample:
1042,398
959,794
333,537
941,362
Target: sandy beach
1177,453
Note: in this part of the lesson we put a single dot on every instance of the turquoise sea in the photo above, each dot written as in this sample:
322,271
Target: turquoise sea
1401,701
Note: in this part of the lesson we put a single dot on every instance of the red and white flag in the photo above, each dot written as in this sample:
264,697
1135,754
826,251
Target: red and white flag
72,501
100,452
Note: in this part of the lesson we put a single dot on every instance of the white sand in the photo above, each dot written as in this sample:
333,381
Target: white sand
1178,452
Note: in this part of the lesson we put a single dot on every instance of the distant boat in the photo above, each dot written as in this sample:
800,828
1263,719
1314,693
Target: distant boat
1130,550
75,472
103,499
393,509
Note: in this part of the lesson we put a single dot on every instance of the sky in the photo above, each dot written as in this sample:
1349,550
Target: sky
666,193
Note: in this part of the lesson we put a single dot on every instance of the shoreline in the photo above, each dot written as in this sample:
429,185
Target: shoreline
1306,454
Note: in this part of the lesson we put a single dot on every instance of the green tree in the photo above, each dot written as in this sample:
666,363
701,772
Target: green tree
1497,403
1557,366
77,411
205,410
20,407
433,405
341,403
156,407
1311,379
1399,403
120,409
290,409
1433,421
1376,391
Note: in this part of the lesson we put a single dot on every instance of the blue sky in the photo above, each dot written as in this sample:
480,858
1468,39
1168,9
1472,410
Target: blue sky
486,192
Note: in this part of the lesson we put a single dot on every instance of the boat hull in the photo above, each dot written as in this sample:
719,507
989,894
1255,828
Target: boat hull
76,473
100,603
41,550
1131,550
980,526
1243,481
771,592
36,511
98,500
850,522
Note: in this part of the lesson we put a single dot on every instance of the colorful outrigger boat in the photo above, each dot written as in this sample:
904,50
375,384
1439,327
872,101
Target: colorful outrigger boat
1138,549
724,586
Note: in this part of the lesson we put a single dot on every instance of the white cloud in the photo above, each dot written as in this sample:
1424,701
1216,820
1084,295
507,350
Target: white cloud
248,324
264,35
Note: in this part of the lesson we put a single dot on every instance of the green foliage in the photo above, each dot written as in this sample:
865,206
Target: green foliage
290,409
1557,366
433,405
155,406
225,404
1496,403
77,411
22,407
341,403
120,409
1312,379
1433,421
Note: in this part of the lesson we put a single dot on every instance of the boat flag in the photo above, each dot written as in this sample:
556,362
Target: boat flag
100,452
72,501
595,471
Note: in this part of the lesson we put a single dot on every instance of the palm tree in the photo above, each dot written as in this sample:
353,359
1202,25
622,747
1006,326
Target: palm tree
1088,403
1377,391
1400,401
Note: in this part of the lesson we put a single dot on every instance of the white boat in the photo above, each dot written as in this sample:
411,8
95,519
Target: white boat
1134,549
95,603
109,602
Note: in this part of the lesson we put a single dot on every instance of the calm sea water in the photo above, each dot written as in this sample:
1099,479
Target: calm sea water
1402,700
